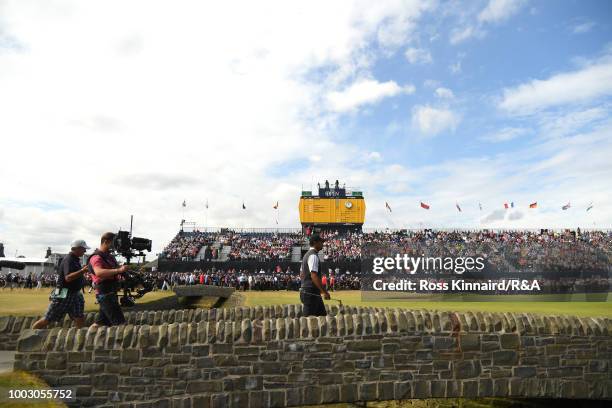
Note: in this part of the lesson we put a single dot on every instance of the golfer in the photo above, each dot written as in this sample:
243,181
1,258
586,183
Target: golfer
312,291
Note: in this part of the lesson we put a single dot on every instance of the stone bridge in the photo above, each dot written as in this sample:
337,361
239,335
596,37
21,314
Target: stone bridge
275,357
204,290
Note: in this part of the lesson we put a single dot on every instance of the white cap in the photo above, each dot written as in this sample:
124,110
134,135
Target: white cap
78,243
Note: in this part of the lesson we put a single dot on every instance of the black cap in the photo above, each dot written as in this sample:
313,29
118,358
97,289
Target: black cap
316,238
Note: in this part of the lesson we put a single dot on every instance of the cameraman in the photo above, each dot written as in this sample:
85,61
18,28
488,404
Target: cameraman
70,276
105,276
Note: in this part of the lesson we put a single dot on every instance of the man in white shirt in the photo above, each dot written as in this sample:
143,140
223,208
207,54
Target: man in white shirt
312,291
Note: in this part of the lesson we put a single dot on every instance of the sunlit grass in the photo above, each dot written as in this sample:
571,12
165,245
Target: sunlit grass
21,380
29,302
497,303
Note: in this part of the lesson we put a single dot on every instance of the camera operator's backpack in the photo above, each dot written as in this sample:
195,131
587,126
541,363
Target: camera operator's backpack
110,285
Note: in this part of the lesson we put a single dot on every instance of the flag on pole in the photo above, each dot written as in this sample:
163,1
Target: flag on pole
387,206
276,206
480,206
506,206
184,203
590,206
566,206
424,206
243,206
533,205
458,208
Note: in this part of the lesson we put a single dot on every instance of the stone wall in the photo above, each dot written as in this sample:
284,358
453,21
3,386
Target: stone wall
12,326
266,357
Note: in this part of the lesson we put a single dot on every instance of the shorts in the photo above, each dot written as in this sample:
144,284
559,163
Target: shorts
73,304
110,310
313,303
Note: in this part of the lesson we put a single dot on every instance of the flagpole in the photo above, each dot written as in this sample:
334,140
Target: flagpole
243,218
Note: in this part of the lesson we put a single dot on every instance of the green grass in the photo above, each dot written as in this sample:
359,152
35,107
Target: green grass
27,302
21,380
30,302
497,303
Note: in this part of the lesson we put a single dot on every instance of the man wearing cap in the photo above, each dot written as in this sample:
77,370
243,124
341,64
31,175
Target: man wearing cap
70,277
312,291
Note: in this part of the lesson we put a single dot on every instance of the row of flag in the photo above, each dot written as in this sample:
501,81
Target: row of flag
184,205
426,206
507,206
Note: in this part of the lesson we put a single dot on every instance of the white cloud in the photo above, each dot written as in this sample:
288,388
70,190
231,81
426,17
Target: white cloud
499,10
586,84
573,168
576,169
362,92
583,28
495,215
505,134
408,89
225,97
564,123
444,93
495,12
501,215
418,56
459,35
374,156
432,121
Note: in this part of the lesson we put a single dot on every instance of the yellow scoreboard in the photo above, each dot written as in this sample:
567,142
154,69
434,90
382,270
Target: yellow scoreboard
332,210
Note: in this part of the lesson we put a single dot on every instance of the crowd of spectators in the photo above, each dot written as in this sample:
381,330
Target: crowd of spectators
29,281
259,280
507,251
517,251
263,247
185,246
504,251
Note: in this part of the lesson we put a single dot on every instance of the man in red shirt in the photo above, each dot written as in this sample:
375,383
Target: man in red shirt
105,274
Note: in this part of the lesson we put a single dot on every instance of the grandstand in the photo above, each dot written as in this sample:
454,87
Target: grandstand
510,251
223,255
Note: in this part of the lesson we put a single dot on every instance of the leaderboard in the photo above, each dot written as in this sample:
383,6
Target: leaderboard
333,206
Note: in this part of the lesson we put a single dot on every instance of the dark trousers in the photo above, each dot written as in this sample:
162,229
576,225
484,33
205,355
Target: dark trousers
110,310
313,303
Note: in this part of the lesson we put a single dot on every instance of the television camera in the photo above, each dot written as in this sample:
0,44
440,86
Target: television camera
134,285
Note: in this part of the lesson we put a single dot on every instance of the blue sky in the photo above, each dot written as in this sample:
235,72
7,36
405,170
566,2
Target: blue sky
535,43
446,102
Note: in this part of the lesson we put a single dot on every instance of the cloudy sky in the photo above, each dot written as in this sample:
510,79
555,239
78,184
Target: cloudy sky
112,108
